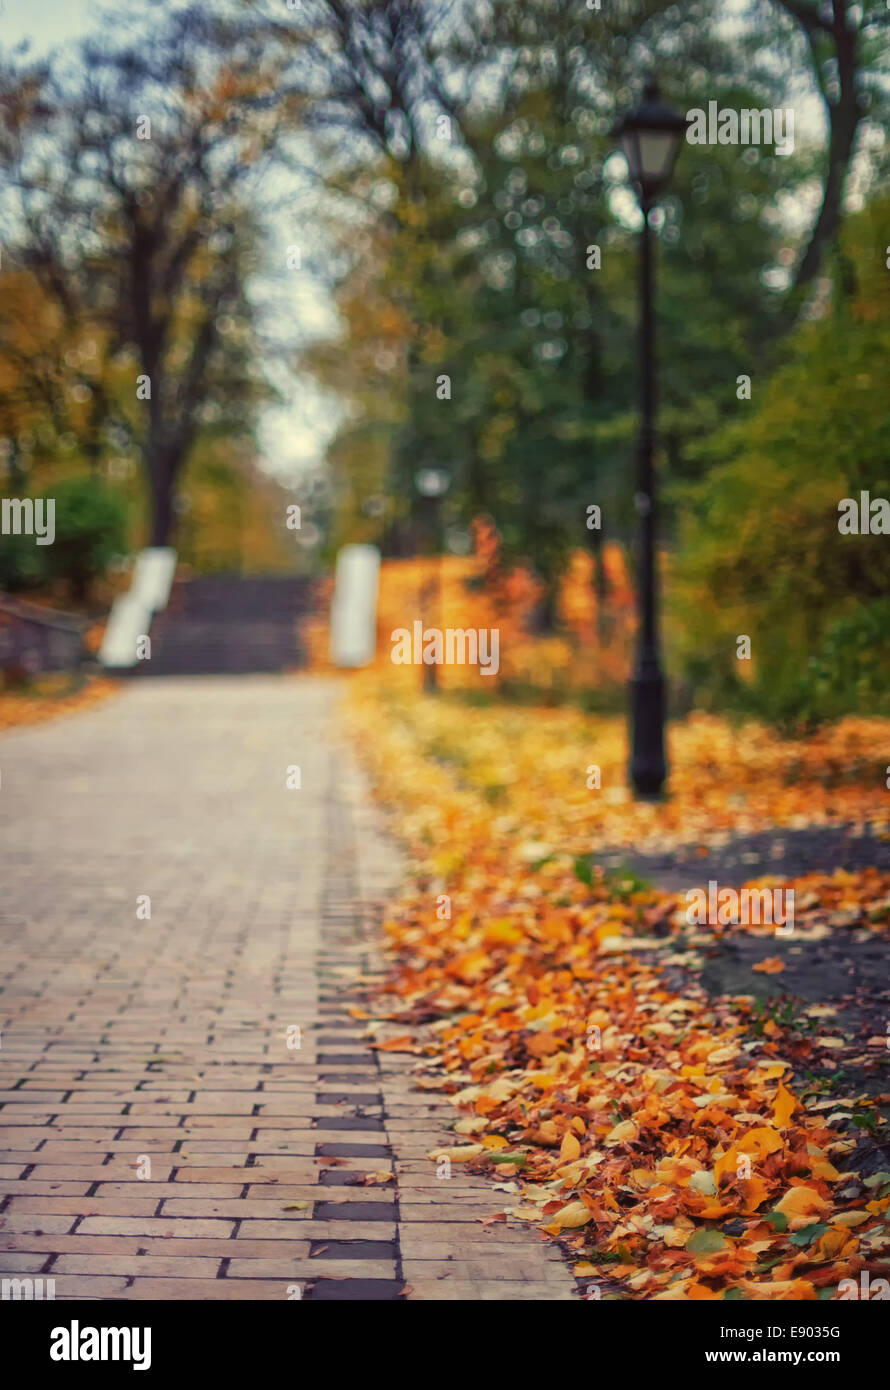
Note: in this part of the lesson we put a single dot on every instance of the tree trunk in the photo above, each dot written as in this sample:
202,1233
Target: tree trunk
844,125
844,116
161,483
600,585
164,461
544,621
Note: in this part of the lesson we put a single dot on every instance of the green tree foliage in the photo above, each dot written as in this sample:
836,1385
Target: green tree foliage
484,255
760,552
91,531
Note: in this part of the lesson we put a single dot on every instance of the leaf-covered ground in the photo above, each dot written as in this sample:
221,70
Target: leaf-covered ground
49,697
683,1142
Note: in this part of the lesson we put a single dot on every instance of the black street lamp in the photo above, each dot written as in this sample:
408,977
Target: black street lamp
650,138
432,484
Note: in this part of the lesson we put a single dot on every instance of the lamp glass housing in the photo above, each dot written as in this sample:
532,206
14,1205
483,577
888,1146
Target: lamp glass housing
432,482
651,138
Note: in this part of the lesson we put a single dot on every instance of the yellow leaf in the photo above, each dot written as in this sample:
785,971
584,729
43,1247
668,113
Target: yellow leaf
757,1143
849,1218
829,1245
802,1206
797,1290
762,1140
570,1149
471,1125
548,1132
784,1107
821,1168
461,1154
675,1293
504,932
575,1214
624,1131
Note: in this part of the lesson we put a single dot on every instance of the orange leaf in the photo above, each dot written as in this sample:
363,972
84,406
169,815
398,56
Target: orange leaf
403,1044
773,965
754,1190
784,1107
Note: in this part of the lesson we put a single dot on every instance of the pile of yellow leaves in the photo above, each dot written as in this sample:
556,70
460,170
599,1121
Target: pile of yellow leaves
650,1131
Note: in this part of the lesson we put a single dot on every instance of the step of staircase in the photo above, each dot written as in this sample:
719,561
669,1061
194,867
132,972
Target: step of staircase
230,625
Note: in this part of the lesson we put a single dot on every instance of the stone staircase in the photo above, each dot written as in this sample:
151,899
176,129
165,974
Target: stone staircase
230,625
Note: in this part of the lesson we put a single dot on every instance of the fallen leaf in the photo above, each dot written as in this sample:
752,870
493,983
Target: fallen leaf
784,1107
570,1217
800,1205
461,1154
569,1149
771,965
403,1044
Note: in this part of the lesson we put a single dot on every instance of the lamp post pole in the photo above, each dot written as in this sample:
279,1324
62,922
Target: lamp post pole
432,588
651,137
648,765
432,484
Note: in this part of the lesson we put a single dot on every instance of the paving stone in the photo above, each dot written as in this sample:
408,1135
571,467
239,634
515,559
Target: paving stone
348,1097
83,1206
152,1226
159,1191
339,1198
365,1123
278,1230
207,1290
73,1286
141,1265
17,1262
355,1249
38,1225
354,1291
353,1211
369,1151
33,1187
299,1266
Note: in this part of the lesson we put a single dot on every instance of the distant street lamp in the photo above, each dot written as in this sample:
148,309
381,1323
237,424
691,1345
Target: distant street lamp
432,484
650,138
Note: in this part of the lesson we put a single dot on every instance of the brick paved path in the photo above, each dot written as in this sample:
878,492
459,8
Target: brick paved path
128,1039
